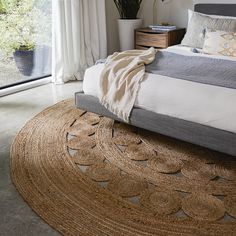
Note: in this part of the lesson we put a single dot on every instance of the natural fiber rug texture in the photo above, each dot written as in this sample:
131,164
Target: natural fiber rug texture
88,175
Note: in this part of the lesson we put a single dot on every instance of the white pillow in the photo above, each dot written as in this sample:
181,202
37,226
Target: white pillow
194,36
190,14
220,43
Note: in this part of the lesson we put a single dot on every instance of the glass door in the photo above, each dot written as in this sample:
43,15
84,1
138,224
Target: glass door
25,41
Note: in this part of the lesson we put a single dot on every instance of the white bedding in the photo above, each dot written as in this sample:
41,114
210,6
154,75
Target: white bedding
204,104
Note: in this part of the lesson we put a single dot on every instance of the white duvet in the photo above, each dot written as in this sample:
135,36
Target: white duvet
204,104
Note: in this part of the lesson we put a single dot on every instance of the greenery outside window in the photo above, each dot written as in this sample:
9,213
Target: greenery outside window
25,42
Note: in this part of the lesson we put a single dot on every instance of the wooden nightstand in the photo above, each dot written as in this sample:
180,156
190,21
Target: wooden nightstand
146,37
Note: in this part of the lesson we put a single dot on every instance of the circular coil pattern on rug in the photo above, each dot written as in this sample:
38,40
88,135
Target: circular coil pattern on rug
89,175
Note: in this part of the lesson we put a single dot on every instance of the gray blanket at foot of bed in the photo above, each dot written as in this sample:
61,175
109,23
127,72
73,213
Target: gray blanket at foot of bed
205,136
199,69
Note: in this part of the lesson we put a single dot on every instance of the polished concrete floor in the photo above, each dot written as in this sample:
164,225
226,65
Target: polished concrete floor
16,217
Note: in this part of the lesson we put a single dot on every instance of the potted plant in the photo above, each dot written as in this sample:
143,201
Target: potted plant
128,22
23,26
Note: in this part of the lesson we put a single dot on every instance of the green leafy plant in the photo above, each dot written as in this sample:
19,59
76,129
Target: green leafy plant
23,25
5,5
2,7
128,9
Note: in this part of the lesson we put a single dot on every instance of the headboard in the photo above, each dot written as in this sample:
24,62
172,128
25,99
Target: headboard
216,9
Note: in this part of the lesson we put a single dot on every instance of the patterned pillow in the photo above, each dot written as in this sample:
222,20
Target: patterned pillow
220,43
194,36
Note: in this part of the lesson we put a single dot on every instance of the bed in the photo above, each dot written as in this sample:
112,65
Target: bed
179,110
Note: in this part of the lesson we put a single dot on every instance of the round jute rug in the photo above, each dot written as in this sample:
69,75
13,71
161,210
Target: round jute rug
88,175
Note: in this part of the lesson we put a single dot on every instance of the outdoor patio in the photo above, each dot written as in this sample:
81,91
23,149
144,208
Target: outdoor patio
25,34
9,74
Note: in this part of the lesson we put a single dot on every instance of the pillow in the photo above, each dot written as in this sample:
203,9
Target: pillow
194,36
190,14
220,43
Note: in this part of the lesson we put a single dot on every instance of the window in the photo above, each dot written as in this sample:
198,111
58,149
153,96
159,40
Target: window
25,41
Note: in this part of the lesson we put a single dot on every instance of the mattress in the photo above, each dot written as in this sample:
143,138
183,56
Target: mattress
207,105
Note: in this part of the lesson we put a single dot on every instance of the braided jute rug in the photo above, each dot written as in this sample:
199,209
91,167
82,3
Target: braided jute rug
88,175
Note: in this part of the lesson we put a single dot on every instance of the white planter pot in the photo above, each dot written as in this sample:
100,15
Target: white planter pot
126,32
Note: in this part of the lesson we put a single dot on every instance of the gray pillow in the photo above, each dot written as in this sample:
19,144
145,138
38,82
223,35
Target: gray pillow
195,37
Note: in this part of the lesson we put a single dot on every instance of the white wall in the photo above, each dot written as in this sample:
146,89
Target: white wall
172,11
112,29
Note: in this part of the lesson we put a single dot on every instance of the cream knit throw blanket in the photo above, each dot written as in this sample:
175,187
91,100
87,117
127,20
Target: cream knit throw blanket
120,80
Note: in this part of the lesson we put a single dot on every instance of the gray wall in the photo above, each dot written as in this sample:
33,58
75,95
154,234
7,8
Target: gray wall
172,11
178,9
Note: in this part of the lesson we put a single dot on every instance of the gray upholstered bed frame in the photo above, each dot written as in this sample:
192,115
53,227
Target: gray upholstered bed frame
195,133
216,9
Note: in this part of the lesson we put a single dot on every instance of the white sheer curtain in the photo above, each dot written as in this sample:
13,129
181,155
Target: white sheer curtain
79,37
